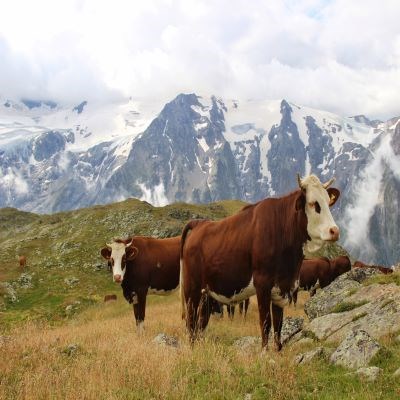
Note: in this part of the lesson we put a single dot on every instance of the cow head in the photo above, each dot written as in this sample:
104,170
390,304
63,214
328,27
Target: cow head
118,252
321,227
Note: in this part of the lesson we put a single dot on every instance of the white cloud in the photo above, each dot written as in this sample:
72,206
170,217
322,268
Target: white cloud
335,55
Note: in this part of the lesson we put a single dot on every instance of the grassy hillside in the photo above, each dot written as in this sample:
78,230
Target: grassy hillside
59,340
66,271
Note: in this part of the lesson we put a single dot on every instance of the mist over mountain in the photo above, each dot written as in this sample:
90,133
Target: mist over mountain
200,149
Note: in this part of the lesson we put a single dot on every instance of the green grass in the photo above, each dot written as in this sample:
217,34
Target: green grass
383,279
347,306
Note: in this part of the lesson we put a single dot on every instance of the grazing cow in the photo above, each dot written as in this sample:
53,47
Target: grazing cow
22,261
109,297
258,251
144,265
384,270
320,272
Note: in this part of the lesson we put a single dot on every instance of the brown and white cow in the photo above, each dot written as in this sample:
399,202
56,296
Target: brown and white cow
258,251
320,272
22,261
144,265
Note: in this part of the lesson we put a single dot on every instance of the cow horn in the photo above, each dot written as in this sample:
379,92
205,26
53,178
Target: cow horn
299,180
128,244
329,183
108,245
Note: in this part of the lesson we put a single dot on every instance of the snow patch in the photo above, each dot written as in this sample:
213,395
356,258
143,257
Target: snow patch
155,196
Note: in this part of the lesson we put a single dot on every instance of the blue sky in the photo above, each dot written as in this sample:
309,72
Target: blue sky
338,55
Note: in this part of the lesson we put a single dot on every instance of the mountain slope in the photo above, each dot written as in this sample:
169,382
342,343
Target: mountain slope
201,149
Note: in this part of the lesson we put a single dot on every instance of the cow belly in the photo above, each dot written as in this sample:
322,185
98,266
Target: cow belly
243,294
161,292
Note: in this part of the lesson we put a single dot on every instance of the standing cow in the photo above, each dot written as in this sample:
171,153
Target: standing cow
320,272
22,261
144,265
256,251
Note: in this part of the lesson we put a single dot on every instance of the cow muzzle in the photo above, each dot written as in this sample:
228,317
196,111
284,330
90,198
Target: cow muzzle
334,234
118,278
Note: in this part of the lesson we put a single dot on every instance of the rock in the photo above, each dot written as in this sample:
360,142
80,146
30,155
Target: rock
327,299
369,373
304,340
71,350
163,339
10,292
379,316
248,343
71,281
397,373
291,326
25,281
356,350
304,358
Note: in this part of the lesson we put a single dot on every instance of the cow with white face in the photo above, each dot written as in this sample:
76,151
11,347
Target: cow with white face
258,251
321,227
118,252
144,265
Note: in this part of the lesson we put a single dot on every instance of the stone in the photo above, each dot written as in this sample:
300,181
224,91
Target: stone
291,326
165,340
305,358
397,373
248,343
356,350
369,373
379,316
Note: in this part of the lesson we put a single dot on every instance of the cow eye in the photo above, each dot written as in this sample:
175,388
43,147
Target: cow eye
317,207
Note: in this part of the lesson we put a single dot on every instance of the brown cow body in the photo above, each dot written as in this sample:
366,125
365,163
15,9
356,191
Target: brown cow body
152,268
320,272
257,251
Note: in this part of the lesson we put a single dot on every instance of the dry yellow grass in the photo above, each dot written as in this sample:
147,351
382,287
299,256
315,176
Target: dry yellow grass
113,362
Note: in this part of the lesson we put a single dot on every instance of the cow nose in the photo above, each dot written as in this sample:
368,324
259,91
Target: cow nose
334,232
117,278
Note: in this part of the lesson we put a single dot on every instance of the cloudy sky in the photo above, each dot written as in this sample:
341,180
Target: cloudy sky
337,55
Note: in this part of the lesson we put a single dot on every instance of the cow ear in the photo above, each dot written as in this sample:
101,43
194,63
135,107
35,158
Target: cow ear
333,196
301,201
106,253
131,252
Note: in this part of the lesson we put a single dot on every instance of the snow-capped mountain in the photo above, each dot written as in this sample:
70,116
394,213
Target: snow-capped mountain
202,149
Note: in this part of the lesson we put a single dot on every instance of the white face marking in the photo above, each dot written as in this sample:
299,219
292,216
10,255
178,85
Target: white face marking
319,223
117,252
244,294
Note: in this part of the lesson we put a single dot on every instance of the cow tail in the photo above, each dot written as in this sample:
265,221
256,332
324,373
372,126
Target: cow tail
186,230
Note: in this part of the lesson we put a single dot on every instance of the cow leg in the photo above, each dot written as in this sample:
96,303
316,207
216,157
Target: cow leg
294,296
277,319
192,306
139,309
231,311
264,310
203,312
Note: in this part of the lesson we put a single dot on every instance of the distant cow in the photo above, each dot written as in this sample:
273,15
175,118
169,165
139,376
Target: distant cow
144,265
22,261
384,270
259,251
320,272
109,297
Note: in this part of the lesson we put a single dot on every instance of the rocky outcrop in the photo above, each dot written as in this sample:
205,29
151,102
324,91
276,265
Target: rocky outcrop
346,305
355,313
